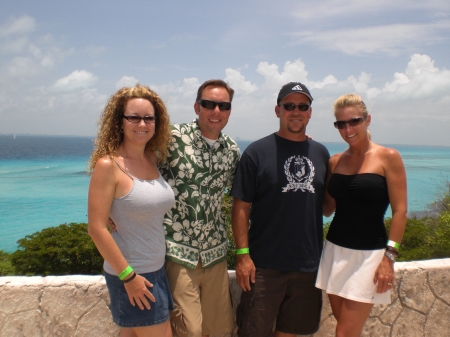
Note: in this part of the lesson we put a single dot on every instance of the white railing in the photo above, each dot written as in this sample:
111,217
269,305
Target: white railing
77,305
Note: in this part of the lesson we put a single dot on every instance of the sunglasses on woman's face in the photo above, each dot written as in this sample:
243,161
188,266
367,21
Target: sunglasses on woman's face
138,119
350,122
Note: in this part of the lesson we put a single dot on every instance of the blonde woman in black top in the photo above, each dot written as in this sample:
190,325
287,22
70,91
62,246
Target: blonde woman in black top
357,264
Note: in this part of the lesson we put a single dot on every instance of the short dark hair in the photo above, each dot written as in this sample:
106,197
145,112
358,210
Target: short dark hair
214,83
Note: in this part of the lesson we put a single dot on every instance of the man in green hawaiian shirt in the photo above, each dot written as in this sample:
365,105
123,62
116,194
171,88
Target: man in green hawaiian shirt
200,166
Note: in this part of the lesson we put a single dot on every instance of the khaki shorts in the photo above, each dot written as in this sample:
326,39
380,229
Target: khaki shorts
202,300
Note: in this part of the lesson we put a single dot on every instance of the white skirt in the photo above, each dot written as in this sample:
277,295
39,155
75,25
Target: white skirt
349,273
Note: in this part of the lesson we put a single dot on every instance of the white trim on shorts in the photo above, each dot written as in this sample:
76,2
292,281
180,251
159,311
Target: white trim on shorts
349,273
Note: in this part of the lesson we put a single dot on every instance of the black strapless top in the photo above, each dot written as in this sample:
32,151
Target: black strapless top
361,203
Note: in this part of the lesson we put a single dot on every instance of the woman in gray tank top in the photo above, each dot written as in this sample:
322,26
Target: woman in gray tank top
127,187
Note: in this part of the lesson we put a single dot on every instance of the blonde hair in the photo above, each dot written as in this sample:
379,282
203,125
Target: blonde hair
352,100
110,135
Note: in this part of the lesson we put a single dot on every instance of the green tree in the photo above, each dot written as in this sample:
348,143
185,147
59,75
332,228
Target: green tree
414,244
66,249
428,237
442,202
6,268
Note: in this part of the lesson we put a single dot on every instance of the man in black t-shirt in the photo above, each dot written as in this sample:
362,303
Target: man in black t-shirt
278,188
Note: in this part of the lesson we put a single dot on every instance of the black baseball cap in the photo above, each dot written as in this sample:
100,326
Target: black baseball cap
293,88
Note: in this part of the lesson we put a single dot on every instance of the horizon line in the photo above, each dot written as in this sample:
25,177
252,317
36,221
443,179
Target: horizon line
235,139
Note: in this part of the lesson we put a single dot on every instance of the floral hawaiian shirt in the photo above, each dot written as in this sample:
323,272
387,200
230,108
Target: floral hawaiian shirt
195,227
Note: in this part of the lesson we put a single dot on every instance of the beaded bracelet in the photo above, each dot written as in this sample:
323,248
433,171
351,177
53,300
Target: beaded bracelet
131,278
392,250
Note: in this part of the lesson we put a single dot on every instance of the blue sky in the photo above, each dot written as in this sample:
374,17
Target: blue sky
61,60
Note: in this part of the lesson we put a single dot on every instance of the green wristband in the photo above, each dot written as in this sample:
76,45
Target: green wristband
241,251
393,244
127,271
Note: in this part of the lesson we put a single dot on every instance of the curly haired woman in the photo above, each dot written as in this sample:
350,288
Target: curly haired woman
134,133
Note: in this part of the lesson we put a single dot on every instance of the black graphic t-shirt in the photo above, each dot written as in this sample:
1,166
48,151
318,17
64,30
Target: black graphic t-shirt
284,180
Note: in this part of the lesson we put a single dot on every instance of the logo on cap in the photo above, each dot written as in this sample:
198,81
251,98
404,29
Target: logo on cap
297,87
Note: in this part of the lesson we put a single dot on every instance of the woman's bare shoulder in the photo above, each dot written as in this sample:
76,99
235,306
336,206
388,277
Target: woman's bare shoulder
390,158
104,164
388,153
334,159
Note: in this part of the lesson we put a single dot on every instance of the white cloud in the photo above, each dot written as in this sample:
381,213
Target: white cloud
20,66
273,79
292,72
389,39
25,55
421,80
397,107
179,98
14,46
22,25
188,88
78,79
237,81
52,112
361,83
308,10
126,81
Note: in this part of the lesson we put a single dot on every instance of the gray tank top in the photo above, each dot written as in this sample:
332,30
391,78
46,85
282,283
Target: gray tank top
139,217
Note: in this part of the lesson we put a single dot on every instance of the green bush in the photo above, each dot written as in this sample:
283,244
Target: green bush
6,268
66,249
428,237
425,238
441,241
414,244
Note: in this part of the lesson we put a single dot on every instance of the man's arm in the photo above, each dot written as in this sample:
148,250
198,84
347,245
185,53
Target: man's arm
245,269
329,204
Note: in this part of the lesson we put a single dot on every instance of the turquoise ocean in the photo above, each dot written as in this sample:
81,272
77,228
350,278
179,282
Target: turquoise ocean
43,181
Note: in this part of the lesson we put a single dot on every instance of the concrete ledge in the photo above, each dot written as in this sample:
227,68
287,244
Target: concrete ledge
77,305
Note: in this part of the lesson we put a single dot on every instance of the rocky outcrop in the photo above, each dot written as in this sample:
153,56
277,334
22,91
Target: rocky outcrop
78,305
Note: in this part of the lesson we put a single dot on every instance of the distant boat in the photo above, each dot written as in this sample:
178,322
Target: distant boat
14,136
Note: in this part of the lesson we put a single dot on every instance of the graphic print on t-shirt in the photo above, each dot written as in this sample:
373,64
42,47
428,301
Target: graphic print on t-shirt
299,172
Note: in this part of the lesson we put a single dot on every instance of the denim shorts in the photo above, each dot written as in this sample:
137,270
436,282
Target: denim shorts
127,316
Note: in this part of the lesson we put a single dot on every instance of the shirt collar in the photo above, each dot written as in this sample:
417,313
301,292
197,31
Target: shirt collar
199,137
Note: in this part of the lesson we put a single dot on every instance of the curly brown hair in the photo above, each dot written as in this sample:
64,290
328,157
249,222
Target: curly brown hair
110,136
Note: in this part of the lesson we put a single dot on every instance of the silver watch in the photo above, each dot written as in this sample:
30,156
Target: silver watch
391,256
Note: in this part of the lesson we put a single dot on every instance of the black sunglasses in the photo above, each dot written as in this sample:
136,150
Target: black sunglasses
137,119
350,122
212,105
291,106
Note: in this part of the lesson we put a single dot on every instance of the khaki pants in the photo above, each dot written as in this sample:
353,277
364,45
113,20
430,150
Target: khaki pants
202,300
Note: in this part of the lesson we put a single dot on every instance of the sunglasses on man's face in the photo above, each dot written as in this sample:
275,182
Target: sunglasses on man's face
350,122
223,106
292,106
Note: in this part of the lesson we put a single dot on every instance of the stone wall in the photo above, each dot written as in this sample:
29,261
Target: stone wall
78,305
